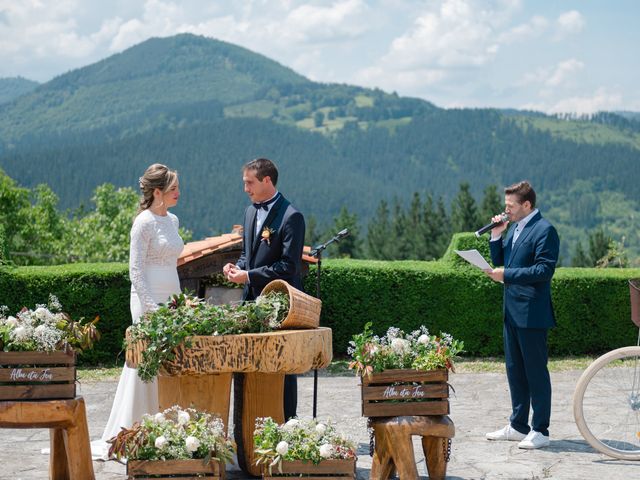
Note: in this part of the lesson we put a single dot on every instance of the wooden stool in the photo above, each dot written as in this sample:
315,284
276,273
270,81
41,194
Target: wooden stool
394,446
69,433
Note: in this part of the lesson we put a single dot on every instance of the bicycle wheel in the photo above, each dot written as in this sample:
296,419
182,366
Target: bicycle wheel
606,404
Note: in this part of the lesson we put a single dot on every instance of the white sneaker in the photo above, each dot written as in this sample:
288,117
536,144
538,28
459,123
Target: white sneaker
507,433
534,440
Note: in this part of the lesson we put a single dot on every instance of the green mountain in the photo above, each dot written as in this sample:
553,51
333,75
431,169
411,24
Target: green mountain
205,107
154,76
12,88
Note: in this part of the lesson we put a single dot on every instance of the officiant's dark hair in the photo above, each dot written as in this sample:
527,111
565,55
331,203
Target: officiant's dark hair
156,176
524,191
263,168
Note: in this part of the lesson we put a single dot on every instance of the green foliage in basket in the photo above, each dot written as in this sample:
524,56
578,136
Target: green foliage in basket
306,440
183,316
175,434
418,350
45,329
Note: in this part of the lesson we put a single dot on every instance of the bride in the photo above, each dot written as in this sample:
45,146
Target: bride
154,250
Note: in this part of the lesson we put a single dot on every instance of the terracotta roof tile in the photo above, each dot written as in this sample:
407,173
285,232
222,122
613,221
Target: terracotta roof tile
201,248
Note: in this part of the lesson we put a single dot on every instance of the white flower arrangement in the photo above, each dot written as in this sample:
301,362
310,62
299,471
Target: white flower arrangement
175,434
397,350
44,329
306,440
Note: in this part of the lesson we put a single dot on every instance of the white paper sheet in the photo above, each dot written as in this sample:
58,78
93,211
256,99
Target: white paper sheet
474,258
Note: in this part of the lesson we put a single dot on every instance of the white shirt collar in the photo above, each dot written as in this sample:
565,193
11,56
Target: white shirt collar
522,223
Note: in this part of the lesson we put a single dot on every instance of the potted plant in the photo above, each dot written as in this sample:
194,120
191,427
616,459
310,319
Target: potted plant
38,351
303,448
174,442
404,374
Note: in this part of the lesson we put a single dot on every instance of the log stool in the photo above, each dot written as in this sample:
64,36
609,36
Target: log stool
394,446
70,457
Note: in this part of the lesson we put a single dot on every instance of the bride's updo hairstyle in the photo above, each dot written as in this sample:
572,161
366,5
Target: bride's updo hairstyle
156,176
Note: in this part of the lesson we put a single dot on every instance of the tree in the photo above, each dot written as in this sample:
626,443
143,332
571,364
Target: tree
14,201
350,245
599,243
464,213
580,257
42,233
491,205
378,236
318,119
312,232
414,230
436,228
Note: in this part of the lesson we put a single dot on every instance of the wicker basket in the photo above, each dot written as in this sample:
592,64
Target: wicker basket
304,310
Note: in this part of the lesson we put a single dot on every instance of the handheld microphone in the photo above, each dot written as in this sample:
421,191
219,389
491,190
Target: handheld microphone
503,218
342,234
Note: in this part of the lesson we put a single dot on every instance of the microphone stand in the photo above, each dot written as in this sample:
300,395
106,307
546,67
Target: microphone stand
317,253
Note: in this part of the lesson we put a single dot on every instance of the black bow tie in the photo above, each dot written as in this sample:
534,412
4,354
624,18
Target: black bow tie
265,205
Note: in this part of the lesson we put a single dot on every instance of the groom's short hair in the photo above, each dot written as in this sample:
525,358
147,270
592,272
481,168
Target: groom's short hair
263,168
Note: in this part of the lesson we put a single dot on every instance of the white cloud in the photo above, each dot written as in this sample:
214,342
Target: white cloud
446,38
569,23
533,28
557,76
563,72
311,23
600,100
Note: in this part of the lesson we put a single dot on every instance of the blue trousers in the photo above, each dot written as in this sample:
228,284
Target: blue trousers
529,382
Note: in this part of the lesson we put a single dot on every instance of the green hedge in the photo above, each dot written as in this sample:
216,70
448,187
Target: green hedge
592,305
84,290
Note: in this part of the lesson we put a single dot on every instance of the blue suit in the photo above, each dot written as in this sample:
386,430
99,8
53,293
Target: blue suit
528,314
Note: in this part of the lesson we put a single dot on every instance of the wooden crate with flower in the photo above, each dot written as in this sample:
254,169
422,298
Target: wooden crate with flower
403,374
175,443
38,352
303,449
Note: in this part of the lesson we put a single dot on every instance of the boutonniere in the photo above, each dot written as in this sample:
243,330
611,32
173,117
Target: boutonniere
266,235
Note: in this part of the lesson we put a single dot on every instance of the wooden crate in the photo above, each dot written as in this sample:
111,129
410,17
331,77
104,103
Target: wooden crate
37,375
325,470
174,469
395,393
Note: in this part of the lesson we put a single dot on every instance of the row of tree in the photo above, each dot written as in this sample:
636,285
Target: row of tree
33,231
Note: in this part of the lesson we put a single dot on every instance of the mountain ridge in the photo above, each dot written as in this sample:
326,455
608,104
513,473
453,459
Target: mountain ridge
337,145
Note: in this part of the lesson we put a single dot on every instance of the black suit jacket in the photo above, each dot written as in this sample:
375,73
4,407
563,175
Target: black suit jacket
280,257
529,266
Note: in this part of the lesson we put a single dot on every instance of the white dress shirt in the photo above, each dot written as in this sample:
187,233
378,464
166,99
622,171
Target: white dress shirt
261,215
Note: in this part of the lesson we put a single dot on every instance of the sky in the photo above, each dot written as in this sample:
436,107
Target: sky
555,56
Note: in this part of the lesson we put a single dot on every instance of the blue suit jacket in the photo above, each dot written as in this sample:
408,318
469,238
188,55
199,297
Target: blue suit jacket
528,268
280,257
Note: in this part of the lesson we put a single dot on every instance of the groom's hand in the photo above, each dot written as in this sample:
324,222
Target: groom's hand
227,268
236,275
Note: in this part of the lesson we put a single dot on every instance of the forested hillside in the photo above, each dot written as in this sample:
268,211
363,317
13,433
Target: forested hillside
205,107
12,88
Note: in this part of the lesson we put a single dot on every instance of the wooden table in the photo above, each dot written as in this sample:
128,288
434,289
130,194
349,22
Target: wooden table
200,376
70,457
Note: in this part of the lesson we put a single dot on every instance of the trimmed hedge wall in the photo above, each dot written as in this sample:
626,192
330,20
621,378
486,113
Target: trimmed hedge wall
591,305
84,290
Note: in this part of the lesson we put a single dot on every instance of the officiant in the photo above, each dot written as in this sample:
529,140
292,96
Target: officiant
272,247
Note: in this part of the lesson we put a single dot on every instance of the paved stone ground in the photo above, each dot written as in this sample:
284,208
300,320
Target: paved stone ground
481,404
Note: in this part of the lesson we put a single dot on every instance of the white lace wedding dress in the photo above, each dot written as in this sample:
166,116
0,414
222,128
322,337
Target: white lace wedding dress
154,251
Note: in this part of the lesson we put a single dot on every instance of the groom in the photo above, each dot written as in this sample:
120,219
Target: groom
272,246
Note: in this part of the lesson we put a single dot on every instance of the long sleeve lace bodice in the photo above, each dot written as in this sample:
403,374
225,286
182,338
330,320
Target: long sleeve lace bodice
155,242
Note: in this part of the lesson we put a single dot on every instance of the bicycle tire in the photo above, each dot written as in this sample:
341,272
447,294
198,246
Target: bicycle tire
606,404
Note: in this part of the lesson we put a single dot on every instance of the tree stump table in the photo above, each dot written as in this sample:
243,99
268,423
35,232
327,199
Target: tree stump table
70,457
394,446
200,376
